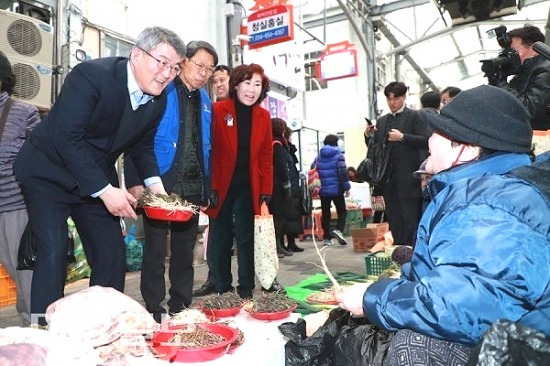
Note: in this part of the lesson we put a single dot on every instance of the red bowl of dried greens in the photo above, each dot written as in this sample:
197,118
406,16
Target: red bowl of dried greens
159,213
197,342
277,315
222,313
222,305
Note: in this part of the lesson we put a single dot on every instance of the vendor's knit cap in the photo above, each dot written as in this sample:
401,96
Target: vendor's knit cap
484,116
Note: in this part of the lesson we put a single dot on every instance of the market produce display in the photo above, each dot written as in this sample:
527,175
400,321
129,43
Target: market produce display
270,306
195,342
195,337
222,305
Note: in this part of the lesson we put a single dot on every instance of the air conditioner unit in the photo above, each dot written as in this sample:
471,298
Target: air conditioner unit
28,44
33,82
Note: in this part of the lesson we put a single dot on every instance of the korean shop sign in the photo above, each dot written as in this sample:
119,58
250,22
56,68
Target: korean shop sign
338,61
270,26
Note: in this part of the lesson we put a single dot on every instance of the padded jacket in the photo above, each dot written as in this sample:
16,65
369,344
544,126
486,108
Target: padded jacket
482,253
333,172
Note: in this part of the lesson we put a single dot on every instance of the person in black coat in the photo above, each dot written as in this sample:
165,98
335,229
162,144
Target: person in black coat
294,225
106,107
408,139
280,206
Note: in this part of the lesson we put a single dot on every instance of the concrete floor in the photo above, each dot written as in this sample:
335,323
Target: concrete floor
292,270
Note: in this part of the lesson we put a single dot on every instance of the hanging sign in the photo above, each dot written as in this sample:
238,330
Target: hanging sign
270,26
338,61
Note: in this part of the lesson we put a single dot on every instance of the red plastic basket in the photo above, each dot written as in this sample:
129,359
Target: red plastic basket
8,291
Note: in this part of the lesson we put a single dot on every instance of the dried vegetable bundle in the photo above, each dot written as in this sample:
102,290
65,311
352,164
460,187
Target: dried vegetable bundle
195,337
226,300
272,302
170,202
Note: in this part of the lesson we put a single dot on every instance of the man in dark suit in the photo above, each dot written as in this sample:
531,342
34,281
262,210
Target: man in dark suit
408,139
67,166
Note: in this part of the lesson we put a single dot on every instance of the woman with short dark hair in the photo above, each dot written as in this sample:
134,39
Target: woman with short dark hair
242,175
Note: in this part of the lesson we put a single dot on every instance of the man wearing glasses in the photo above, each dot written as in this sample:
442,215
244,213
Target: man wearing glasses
66,167
182,148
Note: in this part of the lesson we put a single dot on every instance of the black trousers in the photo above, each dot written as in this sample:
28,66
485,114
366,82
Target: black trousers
279,222
403,214
237,206
340,204
183,236
49,207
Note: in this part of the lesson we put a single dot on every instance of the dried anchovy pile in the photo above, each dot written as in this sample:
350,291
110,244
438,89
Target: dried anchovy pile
271,302
195,337
169,202
227,300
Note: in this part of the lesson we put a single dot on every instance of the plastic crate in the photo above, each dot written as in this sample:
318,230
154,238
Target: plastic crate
376,265
8,291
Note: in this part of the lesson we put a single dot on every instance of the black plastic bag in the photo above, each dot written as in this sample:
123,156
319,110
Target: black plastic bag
376,167
330,344
508,343
26,254
361,345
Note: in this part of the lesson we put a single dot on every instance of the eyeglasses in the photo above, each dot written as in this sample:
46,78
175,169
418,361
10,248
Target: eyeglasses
164,65
203,68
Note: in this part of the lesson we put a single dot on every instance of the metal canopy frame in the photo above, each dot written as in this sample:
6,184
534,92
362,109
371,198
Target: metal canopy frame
374,17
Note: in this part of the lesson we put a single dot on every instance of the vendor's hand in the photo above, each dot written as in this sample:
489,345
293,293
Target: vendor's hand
204,208
351,298
157,188
136,191
395,135
119,202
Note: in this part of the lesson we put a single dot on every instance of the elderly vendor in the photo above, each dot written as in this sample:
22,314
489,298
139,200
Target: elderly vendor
483,244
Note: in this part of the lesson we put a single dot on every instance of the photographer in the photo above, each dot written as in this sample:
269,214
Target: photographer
531,84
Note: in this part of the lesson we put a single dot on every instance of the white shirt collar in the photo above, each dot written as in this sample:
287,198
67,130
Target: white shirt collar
399,111
137,97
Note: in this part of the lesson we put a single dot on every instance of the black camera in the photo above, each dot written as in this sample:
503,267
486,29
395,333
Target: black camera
506,63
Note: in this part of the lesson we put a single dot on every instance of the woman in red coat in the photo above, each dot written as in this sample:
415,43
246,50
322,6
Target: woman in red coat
242,175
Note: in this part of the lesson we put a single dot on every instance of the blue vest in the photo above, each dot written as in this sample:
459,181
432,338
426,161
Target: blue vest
166,138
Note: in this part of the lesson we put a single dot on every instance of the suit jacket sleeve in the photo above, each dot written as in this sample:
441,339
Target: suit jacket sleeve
86,120
420,133
72,112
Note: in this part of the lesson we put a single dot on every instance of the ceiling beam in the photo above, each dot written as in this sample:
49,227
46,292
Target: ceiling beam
450,30
421,72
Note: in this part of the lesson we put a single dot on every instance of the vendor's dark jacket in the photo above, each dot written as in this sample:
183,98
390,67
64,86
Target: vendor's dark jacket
168,146
531,86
